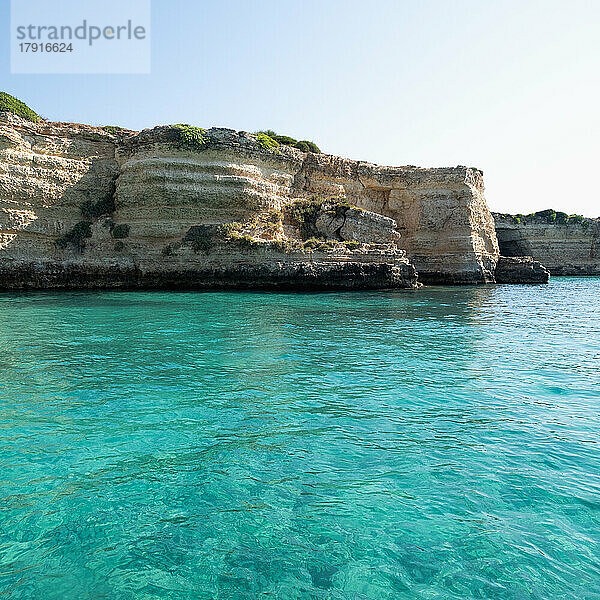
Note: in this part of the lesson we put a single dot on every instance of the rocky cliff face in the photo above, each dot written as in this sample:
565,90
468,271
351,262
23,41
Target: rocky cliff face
82,207
523,269
441,214
564,245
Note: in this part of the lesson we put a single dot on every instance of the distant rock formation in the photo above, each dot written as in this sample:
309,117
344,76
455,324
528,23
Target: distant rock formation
520,270
178,206
565,245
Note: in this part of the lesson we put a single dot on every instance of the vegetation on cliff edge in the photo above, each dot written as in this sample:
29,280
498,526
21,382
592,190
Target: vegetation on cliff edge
12,105
304,212
286,140
114,129
189,137
552,217
267,142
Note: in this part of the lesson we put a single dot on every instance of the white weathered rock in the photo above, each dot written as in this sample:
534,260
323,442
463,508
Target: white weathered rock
564,248
161,189
369,227
442,217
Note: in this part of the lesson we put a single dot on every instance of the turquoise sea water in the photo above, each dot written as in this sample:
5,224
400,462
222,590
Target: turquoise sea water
436,444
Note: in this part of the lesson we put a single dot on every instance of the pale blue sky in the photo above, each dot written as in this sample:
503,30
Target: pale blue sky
512,87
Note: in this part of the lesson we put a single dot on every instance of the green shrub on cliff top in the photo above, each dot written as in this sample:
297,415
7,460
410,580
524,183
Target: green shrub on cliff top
286,140
267,142
190,138
307,146
281,139
561,218
550,216
114,129
10,104
547,215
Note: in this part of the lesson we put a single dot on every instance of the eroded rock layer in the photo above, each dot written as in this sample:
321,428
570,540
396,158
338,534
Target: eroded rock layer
520,270
84,207
564,245
441,214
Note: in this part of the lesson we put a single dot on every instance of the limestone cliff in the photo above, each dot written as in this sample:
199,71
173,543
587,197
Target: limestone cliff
85,207
441,214
566,245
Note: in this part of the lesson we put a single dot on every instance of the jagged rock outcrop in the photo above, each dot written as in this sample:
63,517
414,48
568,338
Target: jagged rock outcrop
84,207
565,245
520,270
441,214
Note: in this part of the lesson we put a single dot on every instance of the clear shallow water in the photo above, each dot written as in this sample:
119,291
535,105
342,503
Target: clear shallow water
434,444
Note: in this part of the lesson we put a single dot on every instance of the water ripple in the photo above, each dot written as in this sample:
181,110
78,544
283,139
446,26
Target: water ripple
438,444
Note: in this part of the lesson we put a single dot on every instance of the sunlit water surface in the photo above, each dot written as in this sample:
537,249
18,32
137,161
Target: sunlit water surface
440,444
